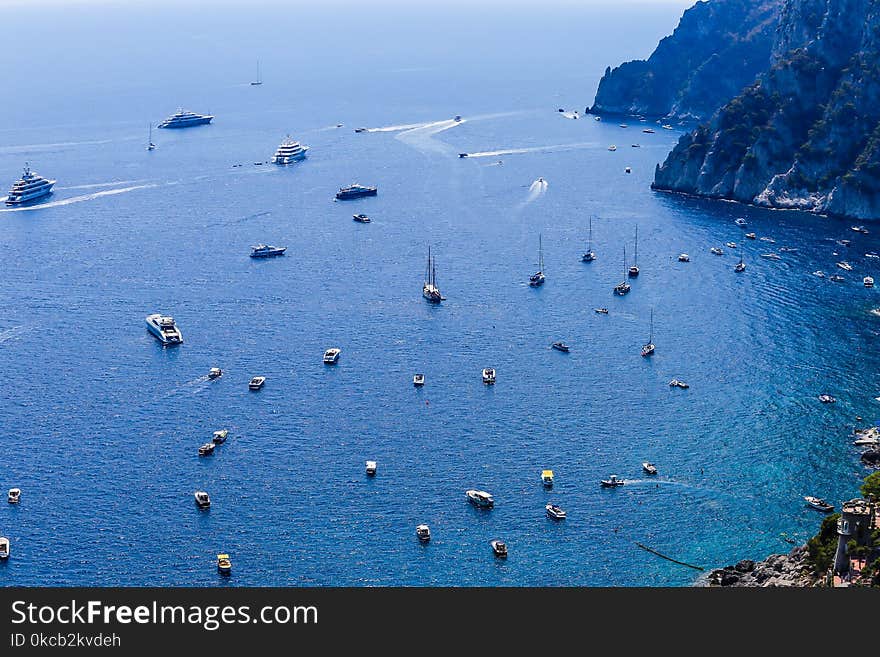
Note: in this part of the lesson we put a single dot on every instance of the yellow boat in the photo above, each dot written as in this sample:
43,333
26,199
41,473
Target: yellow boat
224,565
547,477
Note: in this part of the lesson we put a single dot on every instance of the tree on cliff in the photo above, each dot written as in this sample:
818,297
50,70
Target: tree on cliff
871,487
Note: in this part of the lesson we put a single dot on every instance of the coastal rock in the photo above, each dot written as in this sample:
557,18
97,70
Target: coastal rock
718,48
806,134
745,566
777,570
871,458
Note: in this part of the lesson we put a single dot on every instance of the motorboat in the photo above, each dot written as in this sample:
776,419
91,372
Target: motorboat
462,154
164,328
224,564
649,131
480,498
872,254
290,151
868,281
267,251
649,468
843,242
635,145
845,266
488,375
837,278
827,399
257,382
555,512
628,170
666,126
740,221
612,482
547,478
418,379
818,503
819,273
788,249
739,267
684,257
678,383
361,218
355,191
423,532
14,496
215,373
207,449
360,129
612,147
751,236
219,436
858,229
370,467
457,118
867,442
332,355
499,548
767,239
716,250
730,245
601,311
203,500
4,547
560,346
770,256
624,125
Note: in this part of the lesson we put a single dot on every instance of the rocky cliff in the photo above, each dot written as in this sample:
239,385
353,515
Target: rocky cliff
805,134
718,48
777,570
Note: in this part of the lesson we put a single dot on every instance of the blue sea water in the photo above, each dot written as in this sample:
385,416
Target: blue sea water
101,424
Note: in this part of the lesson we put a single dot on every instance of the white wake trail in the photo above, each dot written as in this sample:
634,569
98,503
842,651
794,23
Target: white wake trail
535,149
536,190
78,199
422,138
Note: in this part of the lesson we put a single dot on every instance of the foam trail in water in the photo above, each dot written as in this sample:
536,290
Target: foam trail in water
77,199
570,115
422,138
30,148
99,185
397,128
11,333
535,149
536,189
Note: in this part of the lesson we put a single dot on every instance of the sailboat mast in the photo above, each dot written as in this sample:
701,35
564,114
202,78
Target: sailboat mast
540,254
590,243
636,258
651,338
624,262
428,268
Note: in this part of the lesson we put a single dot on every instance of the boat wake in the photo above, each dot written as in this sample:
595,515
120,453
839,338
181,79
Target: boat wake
535,149
398,128
78,199
422,137
12,333
570,115
35,148
99,185
875,311
536,190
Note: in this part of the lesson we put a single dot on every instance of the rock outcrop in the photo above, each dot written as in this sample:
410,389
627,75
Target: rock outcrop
777,570
806,134
718,48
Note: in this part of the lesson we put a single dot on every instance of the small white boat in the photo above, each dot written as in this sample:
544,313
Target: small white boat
649,131
612,147
818,503
649,468
770,256
859,229
370,467
837,278
819,273
624,125
555,512
418,380
361,218
203,500
873,255
488,375
219,436
207,449
767,239
628,170
868,281
4,547
740,221
827,399
739,267
561,346
866,442
14,496
499,548
788,249
751,236
716,250
676,383
423,532
666,126
215,373
844,265
612,482
547,478
601,311
684,257
224,564
257,382
480,498
730,245
331,356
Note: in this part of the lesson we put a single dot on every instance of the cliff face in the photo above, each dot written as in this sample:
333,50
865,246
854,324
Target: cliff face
806,134
718,48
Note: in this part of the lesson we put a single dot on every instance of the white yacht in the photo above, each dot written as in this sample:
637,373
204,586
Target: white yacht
547,478
164,328
488,375
499,548
730,245
418,380
649,468
29,187
332,355
207,449
716,250
480,498
215,373
423,532
429,289
684,257
185,119
612,482
740,221
4,547
14,495
219,436
257,382
555,512
290,151
844,265
203,500
371,467
868,281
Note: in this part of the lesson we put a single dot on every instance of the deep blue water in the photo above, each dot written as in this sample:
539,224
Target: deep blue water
101,424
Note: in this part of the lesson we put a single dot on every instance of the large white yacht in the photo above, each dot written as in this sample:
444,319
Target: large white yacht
31,186
185,119
164,328
290,151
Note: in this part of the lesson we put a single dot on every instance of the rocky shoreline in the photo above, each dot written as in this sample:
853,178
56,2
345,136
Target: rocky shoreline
777,570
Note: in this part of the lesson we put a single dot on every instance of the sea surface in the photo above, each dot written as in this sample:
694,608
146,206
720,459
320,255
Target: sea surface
101,424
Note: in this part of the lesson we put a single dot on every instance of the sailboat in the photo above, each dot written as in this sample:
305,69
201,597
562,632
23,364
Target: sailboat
623,287
740,266
648,349
430,290
634,270
259,79
150,145
537,278
589,256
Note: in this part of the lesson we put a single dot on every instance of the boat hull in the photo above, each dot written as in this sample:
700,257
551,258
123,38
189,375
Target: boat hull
31,196
187,123
161,337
